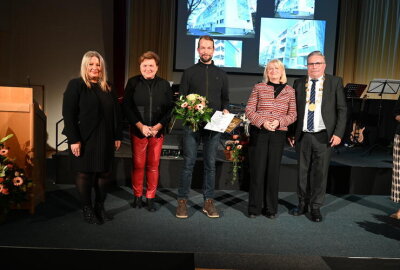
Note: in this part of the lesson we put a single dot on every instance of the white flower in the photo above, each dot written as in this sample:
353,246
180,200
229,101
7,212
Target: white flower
191,97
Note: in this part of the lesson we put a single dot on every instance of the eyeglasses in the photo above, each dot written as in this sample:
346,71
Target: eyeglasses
317,64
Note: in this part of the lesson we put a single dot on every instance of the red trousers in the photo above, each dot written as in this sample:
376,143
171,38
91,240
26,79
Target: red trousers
146,154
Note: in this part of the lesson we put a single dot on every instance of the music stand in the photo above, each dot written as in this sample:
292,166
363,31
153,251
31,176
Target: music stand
382,89
354,90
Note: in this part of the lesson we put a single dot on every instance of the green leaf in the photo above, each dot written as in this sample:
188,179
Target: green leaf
6,138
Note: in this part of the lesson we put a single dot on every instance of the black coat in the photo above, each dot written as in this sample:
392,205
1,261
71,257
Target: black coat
333,107
82,113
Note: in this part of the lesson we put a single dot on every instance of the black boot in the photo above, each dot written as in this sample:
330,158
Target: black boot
150,205
101,212
89,215
137,202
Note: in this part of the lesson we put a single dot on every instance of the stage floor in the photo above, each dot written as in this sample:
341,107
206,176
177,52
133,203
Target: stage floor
353,226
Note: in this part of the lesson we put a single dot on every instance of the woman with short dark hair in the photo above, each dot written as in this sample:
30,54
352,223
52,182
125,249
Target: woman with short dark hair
147,106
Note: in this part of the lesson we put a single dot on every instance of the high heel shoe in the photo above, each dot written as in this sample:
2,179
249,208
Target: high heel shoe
137,202
89,215
150,205
100,212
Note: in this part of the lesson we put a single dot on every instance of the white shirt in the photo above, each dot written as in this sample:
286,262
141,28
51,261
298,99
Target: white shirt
318,121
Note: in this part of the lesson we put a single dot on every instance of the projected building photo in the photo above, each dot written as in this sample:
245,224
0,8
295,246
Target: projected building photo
290,41
222,18
299,9
227,53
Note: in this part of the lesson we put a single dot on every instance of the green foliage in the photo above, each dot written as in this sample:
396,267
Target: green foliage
14,183
193,110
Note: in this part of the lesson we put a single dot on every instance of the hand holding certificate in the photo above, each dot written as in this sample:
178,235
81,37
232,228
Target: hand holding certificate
219,121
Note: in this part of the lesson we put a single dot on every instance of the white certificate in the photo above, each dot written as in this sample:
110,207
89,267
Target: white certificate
219,121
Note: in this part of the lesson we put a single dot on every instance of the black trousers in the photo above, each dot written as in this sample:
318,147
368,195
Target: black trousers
265,150
314,154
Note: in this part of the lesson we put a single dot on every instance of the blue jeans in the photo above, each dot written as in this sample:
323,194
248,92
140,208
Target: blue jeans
191,141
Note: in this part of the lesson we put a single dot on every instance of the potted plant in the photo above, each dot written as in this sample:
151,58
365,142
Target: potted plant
14,184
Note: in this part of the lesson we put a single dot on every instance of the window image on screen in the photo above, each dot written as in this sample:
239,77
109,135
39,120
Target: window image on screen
290,40
249,33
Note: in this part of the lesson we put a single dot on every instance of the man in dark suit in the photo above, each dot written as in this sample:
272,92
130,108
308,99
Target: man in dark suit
321,121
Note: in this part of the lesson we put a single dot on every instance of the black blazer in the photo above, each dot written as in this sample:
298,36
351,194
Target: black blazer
334,108
82,114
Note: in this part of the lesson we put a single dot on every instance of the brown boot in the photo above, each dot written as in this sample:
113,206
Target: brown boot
209,209
181,210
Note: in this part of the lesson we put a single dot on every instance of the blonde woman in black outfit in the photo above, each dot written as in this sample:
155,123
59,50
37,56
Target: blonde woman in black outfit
92,124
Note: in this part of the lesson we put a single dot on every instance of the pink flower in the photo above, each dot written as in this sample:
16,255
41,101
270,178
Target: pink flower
239,146
1,179
184,105
199,107
3,152
17,181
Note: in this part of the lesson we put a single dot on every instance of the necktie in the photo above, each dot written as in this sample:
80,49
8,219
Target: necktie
311,108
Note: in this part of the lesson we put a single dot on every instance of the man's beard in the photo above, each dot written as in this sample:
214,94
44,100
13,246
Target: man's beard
205,60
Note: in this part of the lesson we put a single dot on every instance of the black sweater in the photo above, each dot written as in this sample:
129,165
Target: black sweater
82,113
147,102
208,81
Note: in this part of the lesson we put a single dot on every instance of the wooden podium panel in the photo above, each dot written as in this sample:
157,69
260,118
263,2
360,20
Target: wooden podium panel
20,115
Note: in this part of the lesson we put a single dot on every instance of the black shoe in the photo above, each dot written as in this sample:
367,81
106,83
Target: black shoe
298,211
100,212
270,215
137,202
316,215
150,205
89,216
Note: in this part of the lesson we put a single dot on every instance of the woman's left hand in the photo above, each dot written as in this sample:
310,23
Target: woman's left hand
117,145
275,124
155,129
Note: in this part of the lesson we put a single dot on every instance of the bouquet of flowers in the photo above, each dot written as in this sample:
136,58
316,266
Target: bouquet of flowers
14,184
193,110
234,152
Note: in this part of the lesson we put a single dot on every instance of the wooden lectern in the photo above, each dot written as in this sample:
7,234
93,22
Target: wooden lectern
21,116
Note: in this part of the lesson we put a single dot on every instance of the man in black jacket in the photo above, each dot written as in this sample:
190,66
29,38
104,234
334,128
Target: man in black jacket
321,121
205,79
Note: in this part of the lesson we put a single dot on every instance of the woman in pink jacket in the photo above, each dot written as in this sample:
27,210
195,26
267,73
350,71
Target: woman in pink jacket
271,108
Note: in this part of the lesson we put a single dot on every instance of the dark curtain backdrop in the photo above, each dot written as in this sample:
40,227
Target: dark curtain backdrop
369,45
152,29
368,39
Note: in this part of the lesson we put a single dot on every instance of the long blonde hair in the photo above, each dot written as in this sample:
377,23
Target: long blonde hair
102,74
283,78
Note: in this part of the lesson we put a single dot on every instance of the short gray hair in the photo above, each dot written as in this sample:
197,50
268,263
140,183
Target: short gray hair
319,53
